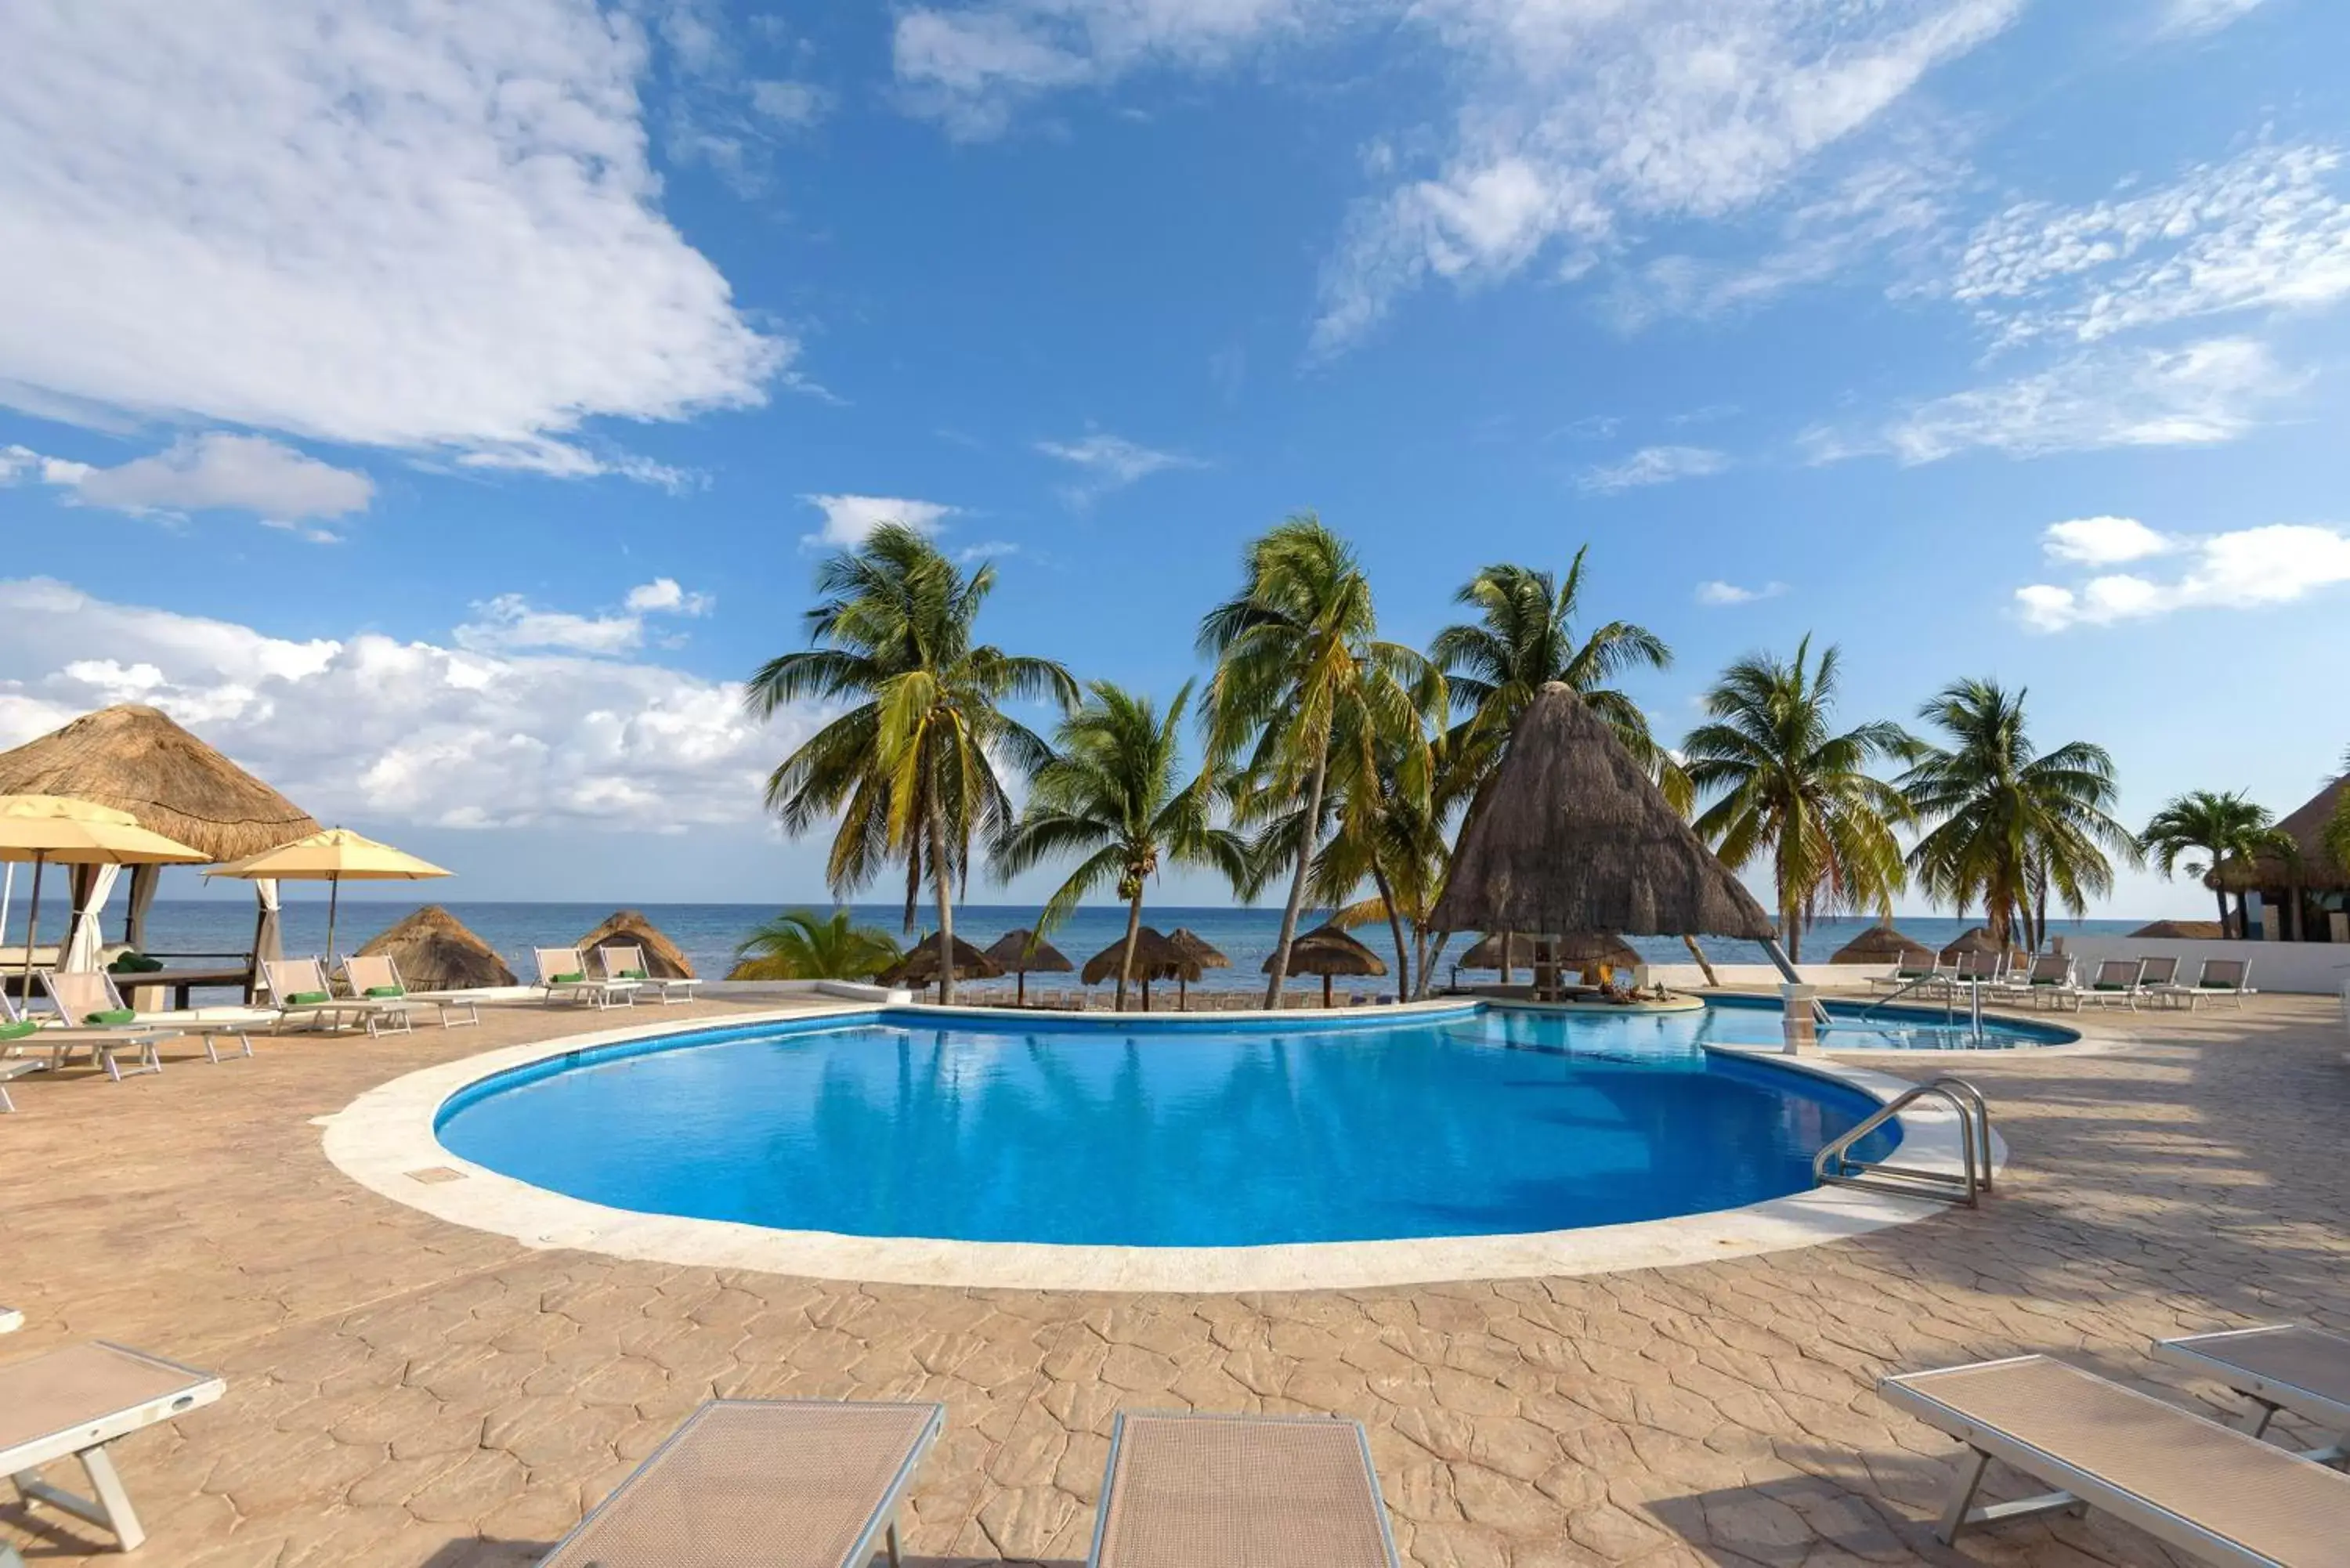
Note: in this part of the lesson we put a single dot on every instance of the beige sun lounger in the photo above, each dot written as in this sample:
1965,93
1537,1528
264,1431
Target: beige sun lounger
2284,1367
378,980
77,1401
78,994
285,983
563,973
626,962
2215,1494
2231,978
784,1483
1185,1491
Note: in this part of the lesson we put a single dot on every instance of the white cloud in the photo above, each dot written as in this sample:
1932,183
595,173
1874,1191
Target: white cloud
2104,541
2184,16
1111,462
849,520
369,728
795,104
509,622
2239,570
217,472
2264,231
1720,593
2200,395
1652,465
382,223
665,595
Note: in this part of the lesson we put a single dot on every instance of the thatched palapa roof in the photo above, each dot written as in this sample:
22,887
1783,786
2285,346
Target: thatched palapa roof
1198,947
1328,950
1978,940
436,953
629,928
1882,944
920,965
2184,931
1025,952
1572,835
135,759
1531,951
2314,867
1156,957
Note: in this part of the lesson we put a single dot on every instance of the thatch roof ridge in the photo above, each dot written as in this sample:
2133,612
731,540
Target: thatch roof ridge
1155,958
1198,947
136,759
1022,950
436,952
1881,944
664,960
1572,835
2306,827
1330,950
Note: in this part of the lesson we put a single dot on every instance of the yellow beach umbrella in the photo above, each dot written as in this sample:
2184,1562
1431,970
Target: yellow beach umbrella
55,828
334,857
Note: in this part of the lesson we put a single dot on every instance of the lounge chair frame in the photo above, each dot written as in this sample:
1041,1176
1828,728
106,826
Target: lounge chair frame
666,991
109,1508
1118,1440
2207,1355
880,1533
441,1002
599,993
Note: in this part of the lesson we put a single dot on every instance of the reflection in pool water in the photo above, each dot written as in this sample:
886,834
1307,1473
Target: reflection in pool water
1475,1124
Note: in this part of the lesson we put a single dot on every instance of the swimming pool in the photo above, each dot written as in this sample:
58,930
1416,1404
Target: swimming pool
1125,1133
1903,1026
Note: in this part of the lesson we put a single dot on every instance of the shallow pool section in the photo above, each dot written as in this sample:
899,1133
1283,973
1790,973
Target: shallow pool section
1476,1123
1859,1026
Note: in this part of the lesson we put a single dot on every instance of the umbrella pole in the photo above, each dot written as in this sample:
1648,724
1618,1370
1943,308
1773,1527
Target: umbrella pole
1020,988
334,894
1326,993
33,924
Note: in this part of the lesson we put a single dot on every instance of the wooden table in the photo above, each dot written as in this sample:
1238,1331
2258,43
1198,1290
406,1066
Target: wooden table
179,983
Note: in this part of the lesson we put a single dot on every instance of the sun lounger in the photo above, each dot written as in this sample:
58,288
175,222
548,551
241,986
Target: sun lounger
2284,1367
2213,1492
562,973
2231,978
2047,978
784,1483
2115,984
2158,980
623,961
108,1042
76,1402
86,994
297,992
378,980
1904,974
1185,1491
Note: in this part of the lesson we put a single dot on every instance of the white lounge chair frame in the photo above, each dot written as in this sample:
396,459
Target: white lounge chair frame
591,988
619,957
2117,982
210,1032
110,1508
2209,1355
362,981
2205,986
284,978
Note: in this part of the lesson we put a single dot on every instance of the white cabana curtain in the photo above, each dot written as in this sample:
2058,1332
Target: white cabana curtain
267,944
84,946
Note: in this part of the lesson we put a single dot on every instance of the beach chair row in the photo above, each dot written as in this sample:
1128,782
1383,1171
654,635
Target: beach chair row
2057,980
803,1483
613,975
1106,1001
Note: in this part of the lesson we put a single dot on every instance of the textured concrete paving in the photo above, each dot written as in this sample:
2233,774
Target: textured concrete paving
405,1392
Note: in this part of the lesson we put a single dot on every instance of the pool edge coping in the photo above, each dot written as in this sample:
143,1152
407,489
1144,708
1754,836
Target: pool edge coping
385,1137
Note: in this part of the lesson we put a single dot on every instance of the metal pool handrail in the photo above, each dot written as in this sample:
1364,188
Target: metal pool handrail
1833,1165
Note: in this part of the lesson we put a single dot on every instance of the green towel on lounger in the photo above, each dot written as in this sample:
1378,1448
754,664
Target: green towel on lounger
634,975
307,999
382,992
568,980
111,1016
17,1031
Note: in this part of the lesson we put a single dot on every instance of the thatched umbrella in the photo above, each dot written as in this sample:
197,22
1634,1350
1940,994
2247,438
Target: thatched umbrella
1156,957
1978,940
664,960
1024,953
135,759
436,953
1330,951
920,965
2184,931
1487,952
1203,952
1882,944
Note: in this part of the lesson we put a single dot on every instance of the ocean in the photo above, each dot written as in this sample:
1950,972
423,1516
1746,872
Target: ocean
708,932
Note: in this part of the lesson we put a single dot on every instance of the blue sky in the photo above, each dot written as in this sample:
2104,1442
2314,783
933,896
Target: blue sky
440,407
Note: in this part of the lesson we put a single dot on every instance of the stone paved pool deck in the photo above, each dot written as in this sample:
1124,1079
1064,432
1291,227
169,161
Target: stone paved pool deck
404,1393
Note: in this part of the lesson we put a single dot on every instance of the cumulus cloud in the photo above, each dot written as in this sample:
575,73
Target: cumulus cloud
2265,231
372,728
1719,593
2241,570
382,223
849,520
508,622
665,596
1651,465
2200,395
1109,463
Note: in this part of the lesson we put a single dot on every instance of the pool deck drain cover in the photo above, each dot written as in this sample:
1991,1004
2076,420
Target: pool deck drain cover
434,1174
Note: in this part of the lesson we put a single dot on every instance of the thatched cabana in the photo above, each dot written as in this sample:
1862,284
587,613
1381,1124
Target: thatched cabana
1979,941
436,953
2301,887
920,967
1156,957
1572,835
1203,952
1881,944
1023,953
135,759
2184,931
1330,951
664,960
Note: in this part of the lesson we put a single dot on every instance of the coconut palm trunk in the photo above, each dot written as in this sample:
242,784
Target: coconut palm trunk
1126,959
1280,975
1395,929
944,877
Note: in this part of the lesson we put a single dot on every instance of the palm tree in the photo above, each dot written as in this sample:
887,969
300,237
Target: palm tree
2214,827
1791,788
1524,638
2336,835
1299,665
910,769
1111,792
2010,827
800,944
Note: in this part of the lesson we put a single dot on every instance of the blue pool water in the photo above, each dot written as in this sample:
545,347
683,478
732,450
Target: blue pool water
1476,1123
